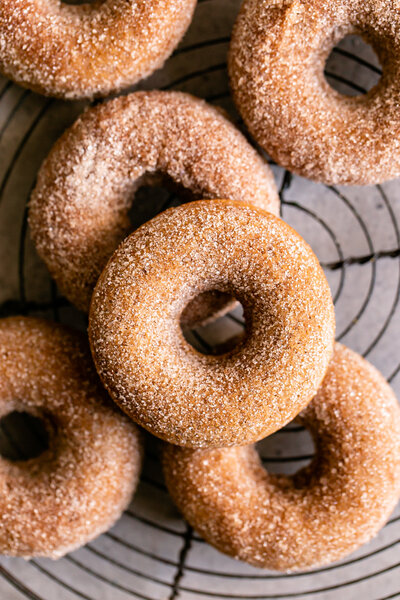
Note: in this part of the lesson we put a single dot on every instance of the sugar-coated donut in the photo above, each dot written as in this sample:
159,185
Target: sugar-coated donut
276,63
90,50
80,485
164,384
323,512
79,211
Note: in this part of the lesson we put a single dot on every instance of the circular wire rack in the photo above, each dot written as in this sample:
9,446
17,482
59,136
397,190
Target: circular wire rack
151,553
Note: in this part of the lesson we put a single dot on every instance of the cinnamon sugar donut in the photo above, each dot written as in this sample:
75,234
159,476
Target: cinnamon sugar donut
162,382
80,485
323,512
90,50
276,62
79,210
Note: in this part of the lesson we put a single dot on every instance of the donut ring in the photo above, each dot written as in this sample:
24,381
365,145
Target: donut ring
276,61
90,50
79,486
158,379
323,512
79,210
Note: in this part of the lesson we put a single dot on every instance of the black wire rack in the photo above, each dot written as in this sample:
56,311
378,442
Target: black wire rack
151,553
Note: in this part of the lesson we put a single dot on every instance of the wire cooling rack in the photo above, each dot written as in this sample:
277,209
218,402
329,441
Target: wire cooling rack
151,553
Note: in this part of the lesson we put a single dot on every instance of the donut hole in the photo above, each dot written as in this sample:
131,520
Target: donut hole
352,67
23,436
223,335
154,195
287,451
155,192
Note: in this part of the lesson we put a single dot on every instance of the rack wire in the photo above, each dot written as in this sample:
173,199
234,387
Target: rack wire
151,553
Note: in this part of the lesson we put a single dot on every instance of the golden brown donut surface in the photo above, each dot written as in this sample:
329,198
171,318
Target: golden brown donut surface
90,50
78,487
79,210
164,384
276,62
323,512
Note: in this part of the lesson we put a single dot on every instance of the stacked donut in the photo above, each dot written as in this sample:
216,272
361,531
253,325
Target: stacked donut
185,266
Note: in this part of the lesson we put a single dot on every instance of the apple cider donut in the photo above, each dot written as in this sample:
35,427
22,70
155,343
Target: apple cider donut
324,511
78,487
276,64
162,382
79,210
90,50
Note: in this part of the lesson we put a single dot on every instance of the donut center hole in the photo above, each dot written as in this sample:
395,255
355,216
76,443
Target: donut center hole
218,335
287,451
352,68
149,201
22,436
156,193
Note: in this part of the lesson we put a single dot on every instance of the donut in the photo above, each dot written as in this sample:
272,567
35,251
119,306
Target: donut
164,384
276,65
79,210
75,52
323,512
78,487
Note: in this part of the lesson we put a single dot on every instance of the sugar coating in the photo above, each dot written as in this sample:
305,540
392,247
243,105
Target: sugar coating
89,50
164,384
276,61
323,512
79,210
76,489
